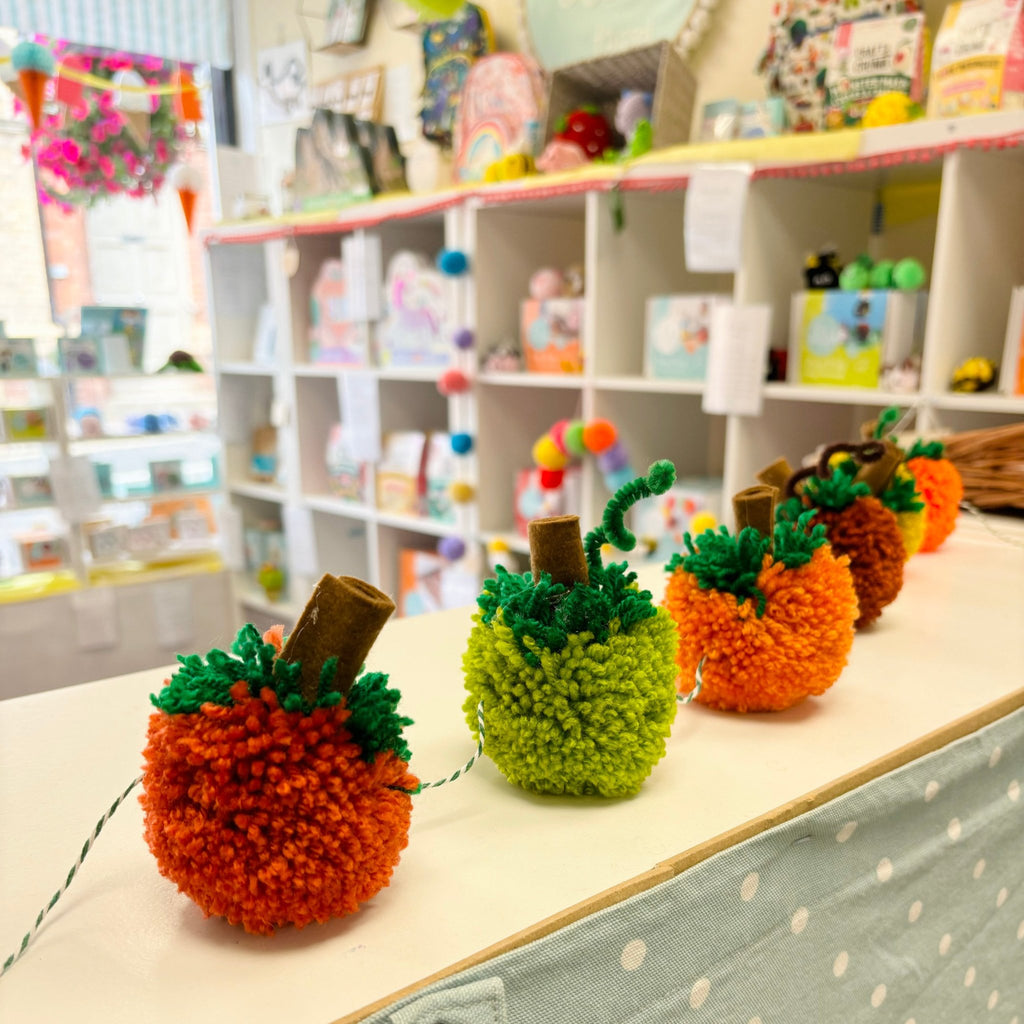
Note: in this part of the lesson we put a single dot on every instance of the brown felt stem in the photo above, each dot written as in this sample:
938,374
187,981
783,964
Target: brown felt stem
755,506
342,619
556,547
877,474
776,475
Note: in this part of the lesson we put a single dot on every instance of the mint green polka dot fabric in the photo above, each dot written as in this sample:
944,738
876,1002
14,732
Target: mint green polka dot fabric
900,902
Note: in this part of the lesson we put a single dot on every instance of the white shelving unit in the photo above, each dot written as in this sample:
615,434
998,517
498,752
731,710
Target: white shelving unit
972,247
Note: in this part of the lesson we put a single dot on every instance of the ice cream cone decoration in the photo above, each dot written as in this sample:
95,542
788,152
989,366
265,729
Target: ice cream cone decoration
188,182
35,65
186,99
133,104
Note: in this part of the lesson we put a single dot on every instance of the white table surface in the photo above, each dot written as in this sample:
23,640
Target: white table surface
484,858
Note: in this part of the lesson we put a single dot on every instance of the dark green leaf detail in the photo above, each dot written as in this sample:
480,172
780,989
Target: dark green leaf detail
902,495
200,682
927,450
374,721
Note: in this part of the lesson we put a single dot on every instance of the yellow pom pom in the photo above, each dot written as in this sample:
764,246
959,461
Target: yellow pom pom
702,521
890,108
548,455
497,546
462,492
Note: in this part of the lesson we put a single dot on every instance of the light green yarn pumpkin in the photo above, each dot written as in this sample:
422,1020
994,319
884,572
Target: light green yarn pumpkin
577,685
591,718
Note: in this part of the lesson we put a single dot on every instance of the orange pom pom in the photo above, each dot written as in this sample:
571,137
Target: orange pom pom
942,489
796,649
270,817
599,435
867,532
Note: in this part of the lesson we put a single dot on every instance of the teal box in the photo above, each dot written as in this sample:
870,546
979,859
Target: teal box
677,333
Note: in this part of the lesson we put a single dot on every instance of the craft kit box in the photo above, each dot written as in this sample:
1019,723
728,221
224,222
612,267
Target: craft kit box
429,582
847,339
978,62
551,333
871,57
334,336
412,331
676,335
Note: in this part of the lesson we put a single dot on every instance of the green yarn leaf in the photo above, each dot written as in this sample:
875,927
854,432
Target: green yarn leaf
888,419
837,491
721,561
373,719
795,540
543,615
926,450
902,495
200,682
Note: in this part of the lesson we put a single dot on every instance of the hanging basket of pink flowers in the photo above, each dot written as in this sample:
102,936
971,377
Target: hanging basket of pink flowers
84,150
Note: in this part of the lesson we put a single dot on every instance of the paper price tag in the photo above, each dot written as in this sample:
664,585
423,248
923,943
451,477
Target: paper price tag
716,199
359,396
737,353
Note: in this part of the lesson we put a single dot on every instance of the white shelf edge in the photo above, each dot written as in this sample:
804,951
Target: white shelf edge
426,374
569,381
131,440
415,524
252,489
170,495
520,545
338,506
649,384
839,395
250,596
242,369
984,402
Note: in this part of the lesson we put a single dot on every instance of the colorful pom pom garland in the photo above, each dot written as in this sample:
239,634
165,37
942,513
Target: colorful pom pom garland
574,667
571,439
769,611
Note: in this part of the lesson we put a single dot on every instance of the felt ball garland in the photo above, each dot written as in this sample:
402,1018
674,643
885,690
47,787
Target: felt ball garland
571,439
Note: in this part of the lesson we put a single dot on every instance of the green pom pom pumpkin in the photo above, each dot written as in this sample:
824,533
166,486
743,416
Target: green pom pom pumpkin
577,679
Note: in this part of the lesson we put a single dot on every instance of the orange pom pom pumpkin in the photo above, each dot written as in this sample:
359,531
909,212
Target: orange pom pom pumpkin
771,618
940,485
857,524
277,793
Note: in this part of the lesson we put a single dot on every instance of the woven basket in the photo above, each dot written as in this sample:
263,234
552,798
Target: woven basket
991,463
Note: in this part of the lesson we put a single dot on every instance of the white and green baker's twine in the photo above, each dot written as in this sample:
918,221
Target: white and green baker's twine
469,764
15,957
690,697
458,773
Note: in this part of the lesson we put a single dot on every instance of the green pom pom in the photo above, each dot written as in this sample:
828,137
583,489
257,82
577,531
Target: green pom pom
854,277
573,438
881,274
661,476
908,275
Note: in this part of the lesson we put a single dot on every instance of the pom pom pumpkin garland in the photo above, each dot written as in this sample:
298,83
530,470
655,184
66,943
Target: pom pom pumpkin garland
769,611
574,665
277,791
